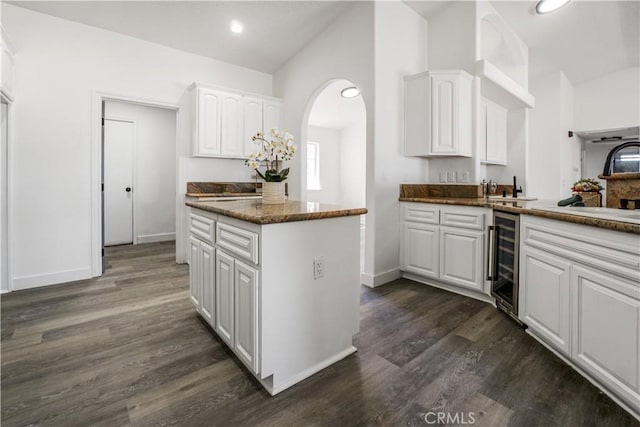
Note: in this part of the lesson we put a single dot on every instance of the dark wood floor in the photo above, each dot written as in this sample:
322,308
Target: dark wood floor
128,349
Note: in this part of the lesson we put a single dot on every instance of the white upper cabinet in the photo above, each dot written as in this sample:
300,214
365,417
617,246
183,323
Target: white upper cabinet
232,125
224,121
438,114
252,122
207,135
272,116
493,133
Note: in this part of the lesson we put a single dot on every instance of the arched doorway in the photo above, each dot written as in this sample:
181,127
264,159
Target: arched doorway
334,170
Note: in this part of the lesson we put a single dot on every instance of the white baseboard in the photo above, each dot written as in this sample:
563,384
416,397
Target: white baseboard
37,280
381,278
160,237
280,386
451,288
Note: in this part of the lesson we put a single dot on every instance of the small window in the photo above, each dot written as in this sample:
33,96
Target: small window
313,166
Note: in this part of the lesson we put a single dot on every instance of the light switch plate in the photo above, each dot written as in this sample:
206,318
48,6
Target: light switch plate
451,176
443,177
462,176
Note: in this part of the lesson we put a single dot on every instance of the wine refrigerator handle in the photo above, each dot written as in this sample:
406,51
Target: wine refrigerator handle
490,253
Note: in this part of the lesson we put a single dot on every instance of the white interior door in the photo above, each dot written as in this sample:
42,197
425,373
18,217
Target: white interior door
118,182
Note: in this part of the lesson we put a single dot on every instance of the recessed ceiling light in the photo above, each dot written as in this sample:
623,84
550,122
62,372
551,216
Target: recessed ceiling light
350,92
546,6
236,27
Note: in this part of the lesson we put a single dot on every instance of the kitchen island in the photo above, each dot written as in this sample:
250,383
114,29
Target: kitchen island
279,284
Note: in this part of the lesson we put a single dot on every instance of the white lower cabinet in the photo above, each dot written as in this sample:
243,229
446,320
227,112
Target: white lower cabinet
195,275
420,249
544,301
246,314
445,243
202,259
461,257
580,294
224,285
606,330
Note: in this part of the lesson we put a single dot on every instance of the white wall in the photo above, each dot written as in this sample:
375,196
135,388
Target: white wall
57,68
330,161
400,50
353,152
517,142
343,51
155,169
553,159
608,102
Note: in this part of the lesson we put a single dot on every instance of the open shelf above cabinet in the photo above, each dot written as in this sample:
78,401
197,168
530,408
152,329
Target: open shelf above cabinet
502,89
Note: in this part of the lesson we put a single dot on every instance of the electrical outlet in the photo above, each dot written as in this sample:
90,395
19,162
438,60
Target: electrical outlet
443,177
451,176
462,176
318,268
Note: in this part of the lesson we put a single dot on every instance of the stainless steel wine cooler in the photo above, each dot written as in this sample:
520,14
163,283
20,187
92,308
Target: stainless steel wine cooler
504,236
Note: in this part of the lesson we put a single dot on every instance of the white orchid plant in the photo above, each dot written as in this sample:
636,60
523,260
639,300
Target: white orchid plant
272,153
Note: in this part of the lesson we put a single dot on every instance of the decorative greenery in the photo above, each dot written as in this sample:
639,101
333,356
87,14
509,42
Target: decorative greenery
586,185
271,155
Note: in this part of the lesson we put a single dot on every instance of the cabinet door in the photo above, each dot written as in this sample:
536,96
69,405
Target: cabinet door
207,268
224,297
496,134
252,123
443,117
461,258
232,126
207,141
606,330
272,116
420,249
195,272
246,314
544,297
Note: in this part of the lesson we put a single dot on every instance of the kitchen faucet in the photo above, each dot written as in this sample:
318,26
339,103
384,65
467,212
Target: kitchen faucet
516,190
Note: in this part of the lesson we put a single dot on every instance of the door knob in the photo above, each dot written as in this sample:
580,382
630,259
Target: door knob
128,189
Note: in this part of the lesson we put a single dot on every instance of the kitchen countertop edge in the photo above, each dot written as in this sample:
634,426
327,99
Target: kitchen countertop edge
504,206
275,218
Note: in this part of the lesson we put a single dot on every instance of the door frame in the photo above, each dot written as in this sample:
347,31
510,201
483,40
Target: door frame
9,273
99,96
134,166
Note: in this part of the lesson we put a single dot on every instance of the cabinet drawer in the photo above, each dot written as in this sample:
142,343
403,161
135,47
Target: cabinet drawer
467,218
202,227
238,241
426,214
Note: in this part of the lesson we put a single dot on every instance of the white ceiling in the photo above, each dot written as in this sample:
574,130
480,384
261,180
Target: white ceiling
330,110
273,30
585,39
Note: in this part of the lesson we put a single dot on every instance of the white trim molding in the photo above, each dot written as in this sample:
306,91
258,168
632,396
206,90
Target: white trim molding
97,97
37,280
159,237
380,279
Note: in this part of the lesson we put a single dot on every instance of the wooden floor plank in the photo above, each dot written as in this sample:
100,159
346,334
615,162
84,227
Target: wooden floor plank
129,349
